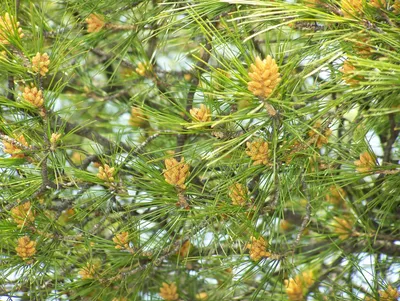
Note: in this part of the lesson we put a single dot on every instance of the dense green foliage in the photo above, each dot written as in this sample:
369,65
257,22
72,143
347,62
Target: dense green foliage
115,170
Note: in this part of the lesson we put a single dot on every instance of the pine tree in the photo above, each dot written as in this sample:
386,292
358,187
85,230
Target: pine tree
200,150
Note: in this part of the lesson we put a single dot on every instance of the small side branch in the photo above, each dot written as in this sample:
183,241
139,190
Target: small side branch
16,143
11,88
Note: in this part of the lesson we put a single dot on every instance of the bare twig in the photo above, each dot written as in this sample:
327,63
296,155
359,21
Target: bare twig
306,218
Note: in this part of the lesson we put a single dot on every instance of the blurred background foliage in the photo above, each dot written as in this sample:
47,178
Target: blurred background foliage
138,163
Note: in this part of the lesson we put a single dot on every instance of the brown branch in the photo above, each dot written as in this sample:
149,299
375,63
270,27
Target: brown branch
331,8
120,94
54,33
37,193
120,27
303,25
89,159
378,246
92,135
108,56
17,5
139,149
11,88
387,19
46,183
372,26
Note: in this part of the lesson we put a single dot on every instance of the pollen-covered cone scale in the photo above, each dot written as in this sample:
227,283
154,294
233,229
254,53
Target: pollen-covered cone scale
40,63
258,248
34,96
351,7
349,76
264,76
202,114
138,118
95,23
312,3
378,3
15,151
88,272
185,248
23,214
26,247
336,196
390,294
54,138
203,296
362,46
9,27
238,194
144,69
106,173
258,152
320,139
176,172
168,292
396,7
121,240
296,287
366,162
343,227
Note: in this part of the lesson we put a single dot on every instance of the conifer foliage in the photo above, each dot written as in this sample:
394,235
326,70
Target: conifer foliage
200,150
